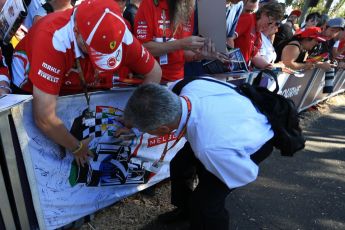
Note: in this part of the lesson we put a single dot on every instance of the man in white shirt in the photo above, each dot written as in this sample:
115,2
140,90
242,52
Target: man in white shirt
227,138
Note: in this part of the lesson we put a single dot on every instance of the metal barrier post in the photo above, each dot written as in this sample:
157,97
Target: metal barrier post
5,207
11,162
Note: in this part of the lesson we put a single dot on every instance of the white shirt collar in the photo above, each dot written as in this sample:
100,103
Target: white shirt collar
183,116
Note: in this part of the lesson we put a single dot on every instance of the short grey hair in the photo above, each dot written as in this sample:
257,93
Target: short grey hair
151,106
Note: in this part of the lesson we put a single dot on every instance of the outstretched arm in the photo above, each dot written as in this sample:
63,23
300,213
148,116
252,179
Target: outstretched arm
44,111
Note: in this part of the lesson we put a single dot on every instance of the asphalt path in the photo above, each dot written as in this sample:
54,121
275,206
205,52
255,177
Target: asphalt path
306,191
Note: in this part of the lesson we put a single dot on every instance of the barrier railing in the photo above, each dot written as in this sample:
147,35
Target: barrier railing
59,192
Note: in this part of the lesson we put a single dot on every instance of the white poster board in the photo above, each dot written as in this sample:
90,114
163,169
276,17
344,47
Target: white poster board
62,192
212,22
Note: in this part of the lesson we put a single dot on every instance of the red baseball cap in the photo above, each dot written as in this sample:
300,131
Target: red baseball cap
312,32
296,12
104,30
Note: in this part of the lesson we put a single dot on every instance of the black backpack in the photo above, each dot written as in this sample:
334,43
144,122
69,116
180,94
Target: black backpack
281,112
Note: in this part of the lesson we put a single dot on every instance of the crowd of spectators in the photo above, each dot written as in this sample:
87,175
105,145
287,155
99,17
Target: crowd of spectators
167,29
69,47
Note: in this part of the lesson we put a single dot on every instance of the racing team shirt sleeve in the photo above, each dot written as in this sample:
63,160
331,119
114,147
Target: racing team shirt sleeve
46,64
138,59
144,22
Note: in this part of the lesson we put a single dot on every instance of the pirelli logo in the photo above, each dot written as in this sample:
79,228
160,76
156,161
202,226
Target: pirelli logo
48,76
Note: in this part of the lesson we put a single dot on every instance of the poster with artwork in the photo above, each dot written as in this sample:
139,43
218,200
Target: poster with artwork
12,15
62,191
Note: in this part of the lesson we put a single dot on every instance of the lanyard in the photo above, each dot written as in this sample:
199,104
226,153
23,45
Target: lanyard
88,113
183,131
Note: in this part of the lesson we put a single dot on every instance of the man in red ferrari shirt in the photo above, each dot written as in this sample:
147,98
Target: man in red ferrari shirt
91,40
248,37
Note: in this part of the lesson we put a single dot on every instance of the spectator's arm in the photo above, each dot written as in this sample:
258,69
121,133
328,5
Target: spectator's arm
230,42
155,75
208,52
160,48
4,86
325,65
290,54
337,51
44,106
261,63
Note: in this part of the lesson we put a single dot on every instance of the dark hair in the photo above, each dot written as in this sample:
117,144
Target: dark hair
316,15
130,12
179,12
272,9
323,20
299,38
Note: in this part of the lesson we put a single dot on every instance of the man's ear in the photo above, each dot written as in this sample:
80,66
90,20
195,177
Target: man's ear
164,129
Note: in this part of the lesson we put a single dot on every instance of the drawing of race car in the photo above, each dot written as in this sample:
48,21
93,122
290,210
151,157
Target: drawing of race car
112,165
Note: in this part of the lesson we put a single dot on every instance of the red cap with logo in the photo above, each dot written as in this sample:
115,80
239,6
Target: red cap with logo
296,13
312,32
104,32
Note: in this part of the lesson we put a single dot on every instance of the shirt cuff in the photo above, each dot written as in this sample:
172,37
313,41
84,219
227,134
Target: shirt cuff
137,132
4,78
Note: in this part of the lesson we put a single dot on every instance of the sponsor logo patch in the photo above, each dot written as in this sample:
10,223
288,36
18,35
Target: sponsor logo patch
111,62
142,36
160,140
112,45
140,31
51,68
48,76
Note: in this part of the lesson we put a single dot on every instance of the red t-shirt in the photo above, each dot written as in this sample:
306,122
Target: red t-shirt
149,25
46,58
248,40
341,45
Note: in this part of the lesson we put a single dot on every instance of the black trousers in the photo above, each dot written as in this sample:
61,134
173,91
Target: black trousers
206,204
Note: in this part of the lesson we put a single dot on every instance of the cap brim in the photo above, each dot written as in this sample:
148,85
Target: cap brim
320,39
106,62
296,13
337,26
